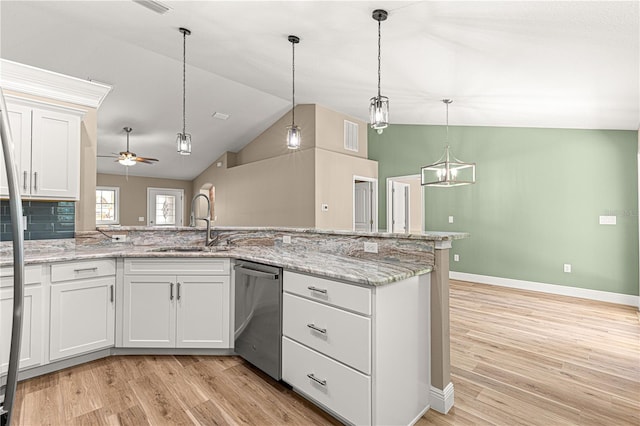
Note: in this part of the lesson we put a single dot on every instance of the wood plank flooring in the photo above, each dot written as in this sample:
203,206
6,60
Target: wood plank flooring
518,358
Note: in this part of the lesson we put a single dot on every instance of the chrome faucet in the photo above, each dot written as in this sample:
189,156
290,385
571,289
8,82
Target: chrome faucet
207,218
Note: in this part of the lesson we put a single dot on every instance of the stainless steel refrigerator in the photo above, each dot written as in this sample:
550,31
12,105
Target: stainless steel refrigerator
15,205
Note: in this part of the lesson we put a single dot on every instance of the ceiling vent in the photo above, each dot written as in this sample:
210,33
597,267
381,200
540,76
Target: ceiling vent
154,5
350,136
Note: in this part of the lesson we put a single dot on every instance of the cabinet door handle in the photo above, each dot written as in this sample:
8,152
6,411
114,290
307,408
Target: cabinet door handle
171,291
178,291
95,268
315,379
24,180
111,286
318,329
317,290
35,181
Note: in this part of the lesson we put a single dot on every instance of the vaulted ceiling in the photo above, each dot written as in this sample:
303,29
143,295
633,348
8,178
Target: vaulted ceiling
526,64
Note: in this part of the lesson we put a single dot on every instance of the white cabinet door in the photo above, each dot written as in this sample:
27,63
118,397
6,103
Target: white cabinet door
82,317
31,345
20,124
203,311
149,314
55,154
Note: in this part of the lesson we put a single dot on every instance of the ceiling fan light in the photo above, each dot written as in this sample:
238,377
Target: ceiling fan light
294,137
128,161
184,143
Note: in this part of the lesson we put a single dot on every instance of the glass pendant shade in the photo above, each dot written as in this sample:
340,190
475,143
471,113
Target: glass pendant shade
294,137
448,171
379,112
184,143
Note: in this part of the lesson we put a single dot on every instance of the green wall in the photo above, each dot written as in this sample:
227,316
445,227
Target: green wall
536,202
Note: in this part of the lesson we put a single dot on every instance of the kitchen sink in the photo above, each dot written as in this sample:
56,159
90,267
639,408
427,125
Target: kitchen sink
181,249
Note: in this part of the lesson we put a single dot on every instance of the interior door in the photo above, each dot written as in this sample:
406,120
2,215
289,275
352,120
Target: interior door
164,207
400,207
363,219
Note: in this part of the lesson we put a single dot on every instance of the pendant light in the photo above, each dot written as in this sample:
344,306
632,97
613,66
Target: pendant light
379,105
294,137
184,139
448,170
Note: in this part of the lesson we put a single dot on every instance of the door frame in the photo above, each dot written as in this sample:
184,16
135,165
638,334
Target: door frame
390,180
374,201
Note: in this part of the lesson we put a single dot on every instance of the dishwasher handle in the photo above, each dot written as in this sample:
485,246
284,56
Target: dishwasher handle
254,273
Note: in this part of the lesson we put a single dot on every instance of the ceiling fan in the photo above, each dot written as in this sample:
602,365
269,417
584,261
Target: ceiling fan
128,158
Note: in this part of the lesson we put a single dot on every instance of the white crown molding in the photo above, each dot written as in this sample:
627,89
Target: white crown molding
51,85
563,290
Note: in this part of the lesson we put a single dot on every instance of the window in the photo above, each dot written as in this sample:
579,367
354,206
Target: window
107,205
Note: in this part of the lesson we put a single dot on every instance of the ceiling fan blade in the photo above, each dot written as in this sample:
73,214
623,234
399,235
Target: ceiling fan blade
146,160
106,156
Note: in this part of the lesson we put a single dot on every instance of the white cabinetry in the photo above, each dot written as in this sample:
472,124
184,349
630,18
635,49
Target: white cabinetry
82,317
32,330
176,303
47,147
362,353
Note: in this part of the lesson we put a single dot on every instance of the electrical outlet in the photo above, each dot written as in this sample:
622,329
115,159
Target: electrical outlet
286,239
567,268
450,219
370,247
456,257
607,220
140,218
118,238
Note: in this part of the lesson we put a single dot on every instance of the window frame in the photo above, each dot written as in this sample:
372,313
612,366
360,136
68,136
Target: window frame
116,205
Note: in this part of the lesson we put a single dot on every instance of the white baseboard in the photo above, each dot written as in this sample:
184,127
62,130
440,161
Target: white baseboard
583,293
442,399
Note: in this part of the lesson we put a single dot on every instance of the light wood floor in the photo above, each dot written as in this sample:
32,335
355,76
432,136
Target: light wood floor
518,358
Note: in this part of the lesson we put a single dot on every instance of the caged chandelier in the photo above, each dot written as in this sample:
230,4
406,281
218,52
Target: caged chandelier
448,171
294,137
379,105
184,139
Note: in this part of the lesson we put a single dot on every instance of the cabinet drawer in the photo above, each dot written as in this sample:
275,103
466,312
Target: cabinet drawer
32,275
82,269
342,390
339,334
177,266
335,293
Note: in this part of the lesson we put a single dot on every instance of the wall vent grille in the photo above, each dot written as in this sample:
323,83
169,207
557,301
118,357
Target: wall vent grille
350,136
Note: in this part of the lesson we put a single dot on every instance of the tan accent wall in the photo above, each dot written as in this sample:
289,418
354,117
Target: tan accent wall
276,191
85,207
266,184
334,186
330,132
272,142
133,196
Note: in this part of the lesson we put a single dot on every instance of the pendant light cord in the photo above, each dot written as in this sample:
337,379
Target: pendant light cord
293,80
379,58
184,83
447,104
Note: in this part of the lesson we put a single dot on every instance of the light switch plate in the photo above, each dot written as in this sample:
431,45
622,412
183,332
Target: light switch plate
456,257
607,220
140,218
286,239
450,219
567,267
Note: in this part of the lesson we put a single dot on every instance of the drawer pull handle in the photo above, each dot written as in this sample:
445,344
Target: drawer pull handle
111,293
35,181
318,329
24,180
317,290
315,379
171,291
95,268
178,297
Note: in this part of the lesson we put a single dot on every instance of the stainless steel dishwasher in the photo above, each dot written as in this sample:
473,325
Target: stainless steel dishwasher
258,316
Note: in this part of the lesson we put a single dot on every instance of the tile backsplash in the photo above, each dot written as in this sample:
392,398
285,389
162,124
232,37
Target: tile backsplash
45,220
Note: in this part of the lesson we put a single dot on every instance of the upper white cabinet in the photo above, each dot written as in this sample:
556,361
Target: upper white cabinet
176,303
47,147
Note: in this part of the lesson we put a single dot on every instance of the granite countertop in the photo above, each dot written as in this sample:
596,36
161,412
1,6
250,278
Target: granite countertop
373,272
